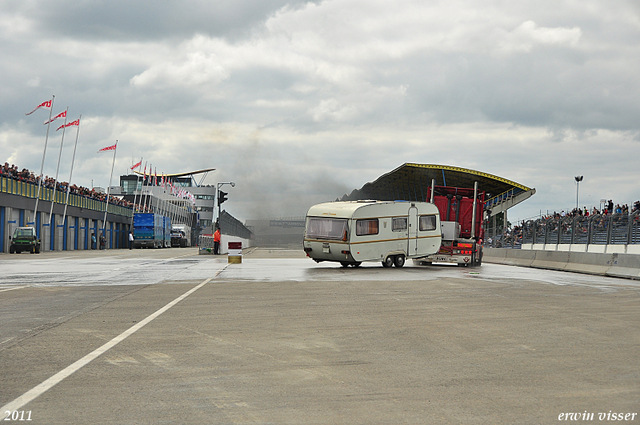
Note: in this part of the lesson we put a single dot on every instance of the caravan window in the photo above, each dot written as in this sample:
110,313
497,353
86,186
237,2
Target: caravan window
399,224
427,222
327,228
367,227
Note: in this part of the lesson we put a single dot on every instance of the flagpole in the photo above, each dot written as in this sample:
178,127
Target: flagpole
155,184
106,206
141,188
148,201
135,193
46,139
73,158
172,206
144,195
150,191
55,181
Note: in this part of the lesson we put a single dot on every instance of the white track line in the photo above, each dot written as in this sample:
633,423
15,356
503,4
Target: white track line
38,390
15,287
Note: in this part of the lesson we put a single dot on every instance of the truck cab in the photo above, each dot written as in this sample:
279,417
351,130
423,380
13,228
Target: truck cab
461,211
25,239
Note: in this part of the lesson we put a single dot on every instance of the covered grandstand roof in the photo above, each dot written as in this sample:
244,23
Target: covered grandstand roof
409,182
187,173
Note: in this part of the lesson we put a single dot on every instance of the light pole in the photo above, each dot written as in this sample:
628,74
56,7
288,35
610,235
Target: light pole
578,180
221,198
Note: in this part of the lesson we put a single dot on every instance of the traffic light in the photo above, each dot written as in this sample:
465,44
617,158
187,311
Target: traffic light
222,196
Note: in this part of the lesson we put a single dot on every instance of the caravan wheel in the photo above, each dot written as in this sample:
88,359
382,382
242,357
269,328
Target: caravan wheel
388,262
399,261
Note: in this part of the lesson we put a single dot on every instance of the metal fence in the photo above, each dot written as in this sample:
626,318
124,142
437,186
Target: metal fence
611,229
205,242
231,226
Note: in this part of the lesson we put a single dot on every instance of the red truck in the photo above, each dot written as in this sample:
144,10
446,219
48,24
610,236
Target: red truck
461,221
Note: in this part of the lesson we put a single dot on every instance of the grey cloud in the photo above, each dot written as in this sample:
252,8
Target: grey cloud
344,93
149,20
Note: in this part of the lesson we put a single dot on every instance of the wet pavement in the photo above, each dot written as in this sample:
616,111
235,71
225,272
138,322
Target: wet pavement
180,338
144,267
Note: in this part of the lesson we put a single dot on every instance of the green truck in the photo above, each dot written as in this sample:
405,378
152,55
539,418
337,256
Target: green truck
25,239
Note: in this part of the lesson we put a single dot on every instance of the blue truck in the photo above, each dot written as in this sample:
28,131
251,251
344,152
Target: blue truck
151,230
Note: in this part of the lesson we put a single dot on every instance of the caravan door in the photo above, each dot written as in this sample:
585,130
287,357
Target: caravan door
412,234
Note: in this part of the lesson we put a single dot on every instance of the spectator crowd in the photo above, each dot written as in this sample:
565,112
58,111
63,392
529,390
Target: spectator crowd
608,209
11,171
514,236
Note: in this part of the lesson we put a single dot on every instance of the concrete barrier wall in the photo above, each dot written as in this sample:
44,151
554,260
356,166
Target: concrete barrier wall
516,257
595,248
224,244
586,262
225,239
609,264
633,249
625,265
550,260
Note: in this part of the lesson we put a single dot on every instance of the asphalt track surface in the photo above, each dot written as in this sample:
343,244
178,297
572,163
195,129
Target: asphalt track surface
172,337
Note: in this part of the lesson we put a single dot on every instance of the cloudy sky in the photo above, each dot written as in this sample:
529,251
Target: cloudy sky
302,102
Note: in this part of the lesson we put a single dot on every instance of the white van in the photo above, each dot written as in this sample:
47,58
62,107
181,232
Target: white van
385,231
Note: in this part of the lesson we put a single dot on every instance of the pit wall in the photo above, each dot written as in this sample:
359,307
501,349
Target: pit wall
613,264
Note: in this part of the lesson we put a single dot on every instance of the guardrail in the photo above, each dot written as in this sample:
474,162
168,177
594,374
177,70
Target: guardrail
611,229
490,203
30,190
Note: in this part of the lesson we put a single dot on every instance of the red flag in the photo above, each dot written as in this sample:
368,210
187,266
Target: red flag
109,148
62,114
46,105
137,165
69,124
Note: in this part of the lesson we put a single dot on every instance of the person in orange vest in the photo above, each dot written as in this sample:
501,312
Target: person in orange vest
216,241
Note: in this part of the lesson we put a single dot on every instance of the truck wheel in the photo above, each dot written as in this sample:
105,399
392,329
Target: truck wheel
357,264
11,249
388,262
344,264
399,261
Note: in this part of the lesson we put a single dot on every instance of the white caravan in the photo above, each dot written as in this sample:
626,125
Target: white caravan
385,231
